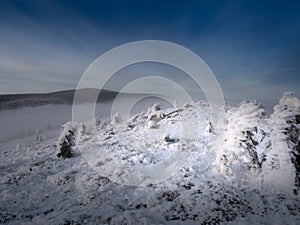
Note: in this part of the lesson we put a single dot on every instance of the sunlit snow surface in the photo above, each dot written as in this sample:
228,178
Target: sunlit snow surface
136,153
36,187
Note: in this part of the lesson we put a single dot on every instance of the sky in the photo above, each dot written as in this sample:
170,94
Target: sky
253,47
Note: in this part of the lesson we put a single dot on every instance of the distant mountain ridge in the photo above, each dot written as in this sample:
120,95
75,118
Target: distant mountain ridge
14,101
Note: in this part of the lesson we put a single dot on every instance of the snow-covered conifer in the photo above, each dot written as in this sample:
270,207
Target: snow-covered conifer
67,139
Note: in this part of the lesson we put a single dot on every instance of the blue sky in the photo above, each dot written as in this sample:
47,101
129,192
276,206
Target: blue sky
253,47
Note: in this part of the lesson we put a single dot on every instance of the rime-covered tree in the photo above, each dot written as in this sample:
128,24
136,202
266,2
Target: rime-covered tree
282,167
67,140
244,139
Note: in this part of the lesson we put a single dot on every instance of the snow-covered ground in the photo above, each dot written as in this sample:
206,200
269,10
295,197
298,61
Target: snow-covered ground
248,181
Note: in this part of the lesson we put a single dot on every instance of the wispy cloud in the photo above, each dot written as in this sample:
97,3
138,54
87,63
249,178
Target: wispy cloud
50,44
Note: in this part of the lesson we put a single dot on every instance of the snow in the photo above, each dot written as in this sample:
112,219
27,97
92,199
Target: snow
236,184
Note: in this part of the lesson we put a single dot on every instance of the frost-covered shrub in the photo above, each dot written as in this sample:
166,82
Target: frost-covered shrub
116,119
153,109
39,138
38,135
151,124
85,130
67,140
154,116
209,128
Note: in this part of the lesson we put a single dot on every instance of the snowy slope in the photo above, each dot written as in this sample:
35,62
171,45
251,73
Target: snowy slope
37,187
